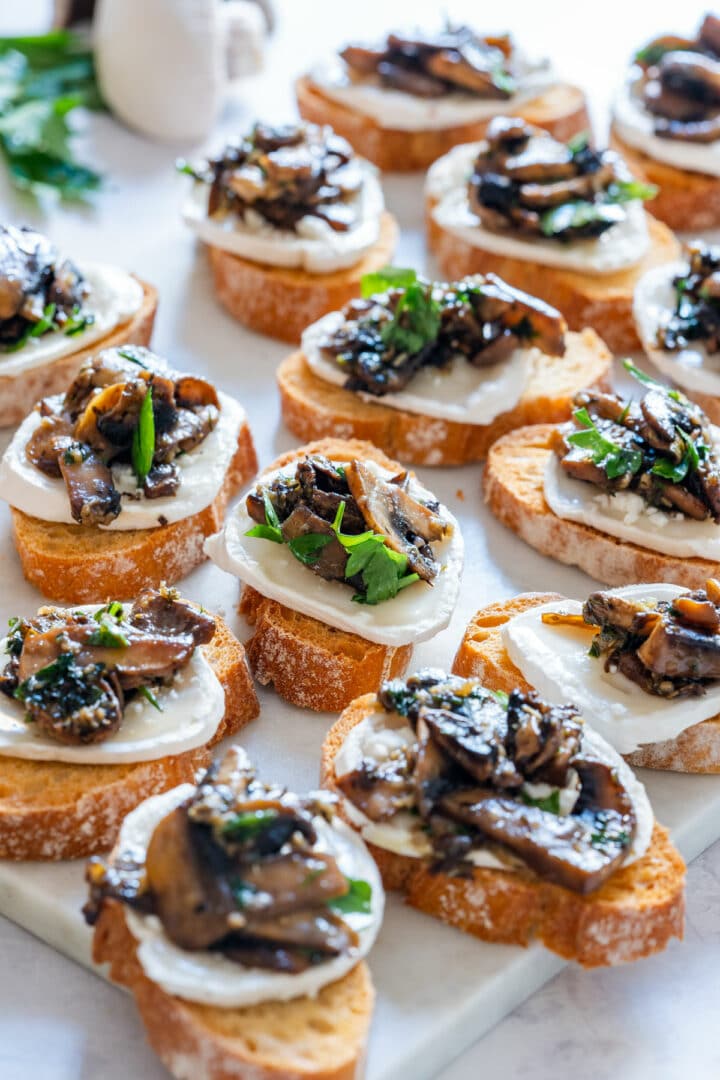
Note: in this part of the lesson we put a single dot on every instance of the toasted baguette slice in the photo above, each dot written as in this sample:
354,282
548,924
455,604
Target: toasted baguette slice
313,408
320,1038
281,301
482,655
18,393
55,810
75,564
632,915
686,200
311,664
513,484
602,301
561,110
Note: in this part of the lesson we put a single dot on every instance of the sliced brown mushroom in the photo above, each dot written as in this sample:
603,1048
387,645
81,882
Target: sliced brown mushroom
51,438
94,499
409,527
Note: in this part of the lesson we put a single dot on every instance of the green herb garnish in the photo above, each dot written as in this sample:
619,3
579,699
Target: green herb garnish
614,459
383,571
307,548
357,900
622,191
131,355
416,321
578,215
143,443
108,634
550,803
146,692
647,380
45,323
77,322
42,80
578,142
247,825
271,529
501,697
390,277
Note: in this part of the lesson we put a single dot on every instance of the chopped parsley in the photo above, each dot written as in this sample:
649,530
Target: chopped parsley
109,634
549,803
614,459
357,900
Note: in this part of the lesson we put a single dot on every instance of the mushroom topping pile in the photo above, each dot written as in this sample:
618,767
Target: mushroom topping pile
235,869
404,324
680,84
697,305
432,65
74,671
670,648
39,291
280,175
508,774
526,181
660,447
123,408
348,524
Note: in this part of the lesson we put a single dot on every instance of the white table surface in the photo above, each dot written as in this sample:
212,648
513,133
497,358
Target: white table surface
655,1019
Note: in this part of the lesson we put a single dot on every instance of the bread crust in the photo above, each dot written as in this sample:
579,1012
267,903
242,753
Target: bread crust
321,1038
74,564
513,486
482,655
686,200
313,408
54,810
280,301
311,664
633,915
561,110
602,301
19,393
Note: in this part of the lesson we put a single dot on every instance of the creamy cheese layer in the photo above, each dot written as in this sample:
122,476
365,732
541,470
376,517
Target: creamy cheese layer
381,734
634,125
618,248
461,392
418,612
190,711
627,516
114,297
202,472
555,660
313,245
397,110
212,979
693,368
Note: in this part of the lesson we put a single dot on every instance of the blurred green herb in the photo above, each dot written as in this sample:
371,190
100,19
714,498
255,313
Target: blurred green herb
42,80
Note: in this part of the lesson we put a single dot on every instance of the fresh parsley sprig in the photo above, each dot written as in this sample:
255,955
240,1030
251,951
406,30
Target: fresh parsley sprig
357,900
615,460
109,633
416,319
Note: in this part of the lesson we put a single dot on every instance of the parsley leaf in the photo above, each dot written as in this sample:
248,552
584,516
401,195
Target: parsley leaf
143,443
577,215
248,824
271,529
416,321
389,277
307,548
383,570
108,634
358,898
614,459
647,380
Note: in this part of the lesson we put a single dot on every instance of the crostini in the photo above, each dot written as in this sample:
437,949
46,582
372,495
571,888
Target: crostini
54,314
410,98
629,490
434,373
666,124
114,485
677,314
641,662
238,915
346,562
103,706
292,219
563,221
507,817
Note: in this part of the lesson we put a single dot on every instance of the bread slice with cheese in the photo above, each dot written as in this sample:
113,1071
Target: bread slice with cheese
561,110
74,564
280,301
18,393
602,301
634,914
482,655
313,408
307,1038
686,201
53,810
311,664
513,485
